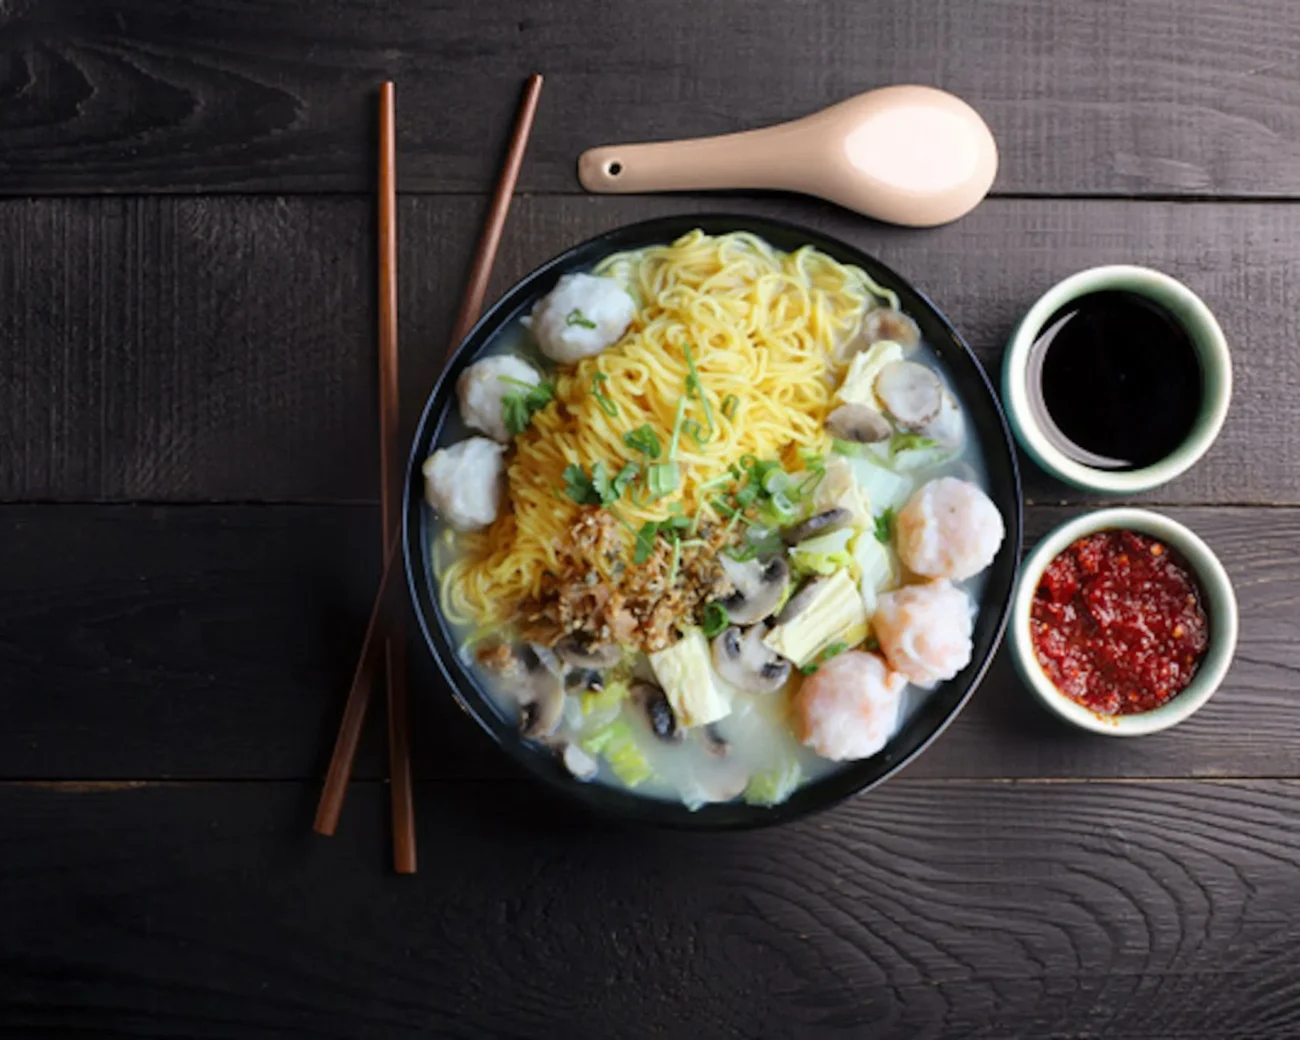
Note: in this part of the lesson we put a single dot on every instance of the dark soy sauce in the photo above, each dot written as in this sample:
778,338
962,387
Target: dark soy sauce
1114,381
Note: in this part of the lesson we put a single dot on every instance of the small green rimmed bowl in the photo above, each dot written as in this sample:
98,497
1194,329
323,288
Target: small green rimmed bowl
1219,601
1185,307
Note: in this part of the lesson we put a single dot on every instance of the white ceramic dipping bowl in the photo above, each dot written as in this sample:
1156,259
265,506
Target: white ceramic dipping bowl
1219,601
1185,307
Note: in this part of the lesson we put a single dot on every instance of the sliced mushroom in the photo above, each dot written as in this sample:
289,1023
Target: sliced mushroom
759,588
653,702
714,742
800,600
584,680
948,428
859,423
887,323
825,522
578,653
741,657
578,762
911,393
539,691
721,781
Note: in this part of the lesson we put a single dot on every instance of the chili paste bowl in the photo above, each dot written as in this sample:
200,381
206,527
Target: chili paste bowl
1217,599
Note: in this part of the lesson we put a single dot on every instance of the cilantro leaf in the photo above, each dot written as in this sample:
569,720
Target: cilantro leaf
645,541
578,486
885,527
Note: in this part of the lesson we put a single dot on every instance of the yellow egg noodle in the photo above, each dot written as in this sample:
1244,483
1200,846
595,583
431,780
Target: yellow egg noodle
762,328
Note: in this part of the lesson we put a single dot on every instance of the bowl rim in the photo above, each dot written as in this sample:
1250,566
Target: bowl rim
1221,606
1211,347
628,806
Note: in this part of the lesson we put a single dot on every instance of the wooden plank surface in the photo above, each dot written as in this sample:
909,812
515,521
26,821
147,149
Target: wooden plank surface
928,910
1197,98
217,642
205,349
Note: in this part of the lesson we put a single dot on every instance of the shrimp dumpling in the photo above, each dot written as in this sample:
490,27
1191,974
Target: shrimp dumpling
465,482
482,386
949,529
925,631
849,707
580,317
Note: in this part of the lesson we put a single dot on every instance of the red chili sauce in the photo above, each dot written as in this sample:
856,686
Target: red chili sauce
1117,623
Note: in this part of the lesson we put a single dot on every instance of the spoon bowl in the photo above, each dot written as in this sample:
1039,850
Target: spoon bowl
908,155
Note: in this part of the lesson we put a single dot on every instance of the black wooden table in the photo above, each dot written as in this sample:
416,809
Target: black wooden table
189,536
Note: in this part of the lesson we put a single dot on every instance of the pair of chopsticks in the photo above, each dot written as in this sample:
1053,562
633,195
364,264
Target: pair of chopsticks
391,476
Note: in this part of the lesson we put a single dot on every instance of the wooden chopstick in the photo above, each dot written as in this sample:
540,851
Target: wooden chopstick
390,432
354,712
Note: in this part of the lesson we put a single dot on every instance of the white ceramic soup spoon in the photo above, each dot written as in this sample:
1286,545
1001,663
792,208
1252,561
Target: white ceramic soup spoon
905,154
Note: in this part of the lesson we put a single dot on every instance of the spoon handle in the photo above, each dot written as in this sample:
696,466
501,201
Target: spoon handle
765,158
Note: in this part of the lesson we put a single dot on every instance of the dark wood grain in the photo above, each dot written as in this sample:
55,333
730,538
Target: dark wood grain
200,349
923,910
218,642
1199,98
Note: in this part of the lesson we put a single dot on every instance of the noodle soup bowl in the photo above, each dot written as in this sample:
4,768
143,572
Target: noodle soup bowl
441,426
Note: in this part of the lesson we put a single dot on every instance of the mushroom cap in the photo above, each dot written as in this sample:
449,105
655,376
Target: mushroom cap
760,586
825,522
658,712
859,423
742,658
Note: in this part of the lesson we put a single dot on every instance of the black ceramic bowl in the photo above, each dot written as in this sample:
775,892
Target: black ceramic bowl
985,421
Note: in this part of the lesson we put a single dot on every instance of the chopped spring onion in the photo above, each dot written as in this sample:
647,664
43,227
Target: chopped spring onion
695,389
576,317
663,479
716,619
597,391
730,404
645,440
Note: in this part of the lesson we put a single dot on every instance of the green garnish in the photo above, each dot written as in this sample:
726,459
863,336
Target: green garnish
716,619
910,442
662,479
576,317
729,405
599,489
625,477
644,440
577,485
606,404
677,428
831,651
695,389
677,558
871,643
645,541
885,527
517,407
850,448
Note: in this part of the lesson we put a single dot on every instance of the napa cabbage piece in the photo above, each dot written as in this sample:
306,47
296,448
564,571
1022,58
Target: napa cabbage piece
599,708
883,487
859,386
876,569
835,614
825,554
840,489
774,786
685,673
617,746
